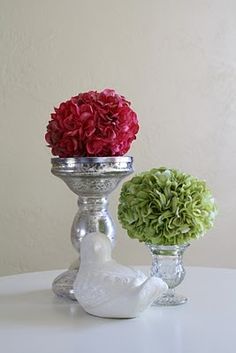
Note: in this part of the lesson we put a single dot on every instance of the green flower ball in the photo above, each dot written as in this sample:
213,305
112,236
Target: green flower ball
166,207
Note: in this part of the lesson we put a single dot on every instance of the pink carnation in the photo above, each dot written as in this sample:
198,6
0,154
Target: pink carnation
92,124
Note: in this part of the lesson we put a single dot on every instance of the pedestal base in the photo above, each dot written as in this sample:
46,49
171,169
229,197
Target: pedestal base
62,285
170,299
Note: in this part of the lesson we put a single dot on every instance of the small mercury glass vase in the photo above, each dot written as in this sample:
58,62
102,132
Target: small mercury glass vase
167,264
92,179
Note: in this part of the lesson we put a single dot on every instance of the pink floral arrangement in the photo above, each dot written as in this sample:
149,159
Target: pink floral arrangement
92,124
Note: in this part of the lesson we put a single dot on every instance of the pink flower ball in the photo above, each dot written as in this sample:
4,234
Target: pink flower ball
92,124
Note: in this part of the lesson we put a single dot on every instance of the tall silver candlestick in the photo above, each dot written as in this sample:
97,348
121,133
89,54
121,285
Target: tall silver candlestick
92,179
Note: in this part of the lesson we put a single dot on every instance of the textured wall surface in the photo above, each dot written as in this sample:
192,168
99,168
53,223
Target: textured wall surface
176,62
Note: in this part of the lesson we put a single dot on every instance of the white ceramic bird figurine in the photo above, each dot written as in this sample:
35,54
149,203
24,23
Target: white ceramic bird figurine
107,289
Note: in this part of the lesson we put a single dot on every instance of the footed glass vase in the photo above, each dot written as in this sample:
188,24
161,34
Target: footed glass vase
167,264
92,179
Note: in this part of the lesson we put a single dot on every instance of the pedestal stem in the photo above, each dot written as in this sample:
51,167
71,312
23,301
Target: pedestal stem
92,216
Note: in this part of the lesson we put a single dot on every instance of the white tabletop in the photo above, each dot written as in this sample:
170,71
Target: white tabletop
32,320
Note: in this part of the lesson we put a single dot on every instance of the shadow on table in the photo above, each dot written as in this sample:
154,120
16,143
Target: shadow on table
42,308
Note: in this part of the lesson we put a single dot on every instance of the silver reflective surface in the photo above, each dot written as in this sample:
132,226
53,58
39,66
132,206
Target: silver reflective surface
92,179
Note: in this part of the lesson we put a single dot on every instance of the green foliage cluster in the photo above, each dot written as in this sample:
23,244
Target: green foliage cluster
166,207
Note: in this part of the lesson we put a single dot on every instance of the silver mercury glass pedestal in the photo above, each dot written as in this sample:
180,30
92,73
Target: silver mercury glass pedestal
92,179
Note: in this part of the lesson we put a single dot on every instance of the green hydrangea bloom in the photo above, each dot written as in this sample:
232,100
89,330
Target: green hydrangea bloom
166,207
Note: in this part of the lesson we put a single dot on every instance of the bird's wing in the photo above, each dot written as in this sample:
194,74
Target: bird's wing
99,288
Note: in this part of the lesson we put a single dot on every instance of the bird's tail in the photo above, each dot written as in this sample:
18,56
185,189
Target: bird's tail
151,289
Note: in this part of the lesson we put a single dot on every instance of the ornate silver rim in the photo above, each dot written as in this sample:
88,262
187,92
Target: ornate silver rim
79,160
92,165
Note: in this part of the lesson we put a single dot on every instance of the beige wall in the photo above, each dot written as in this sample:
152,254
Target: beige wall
176,62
